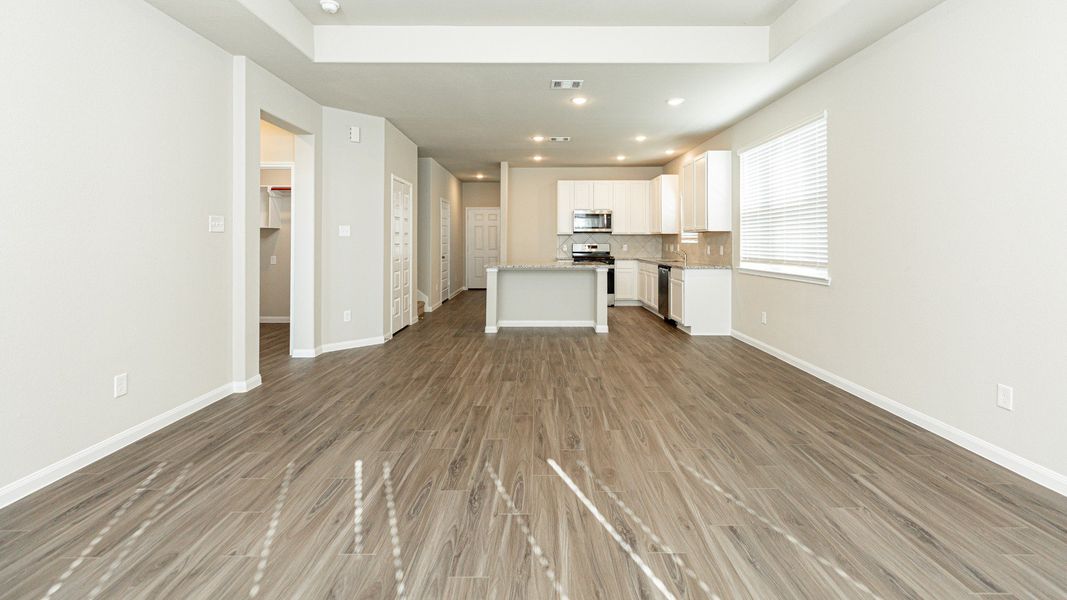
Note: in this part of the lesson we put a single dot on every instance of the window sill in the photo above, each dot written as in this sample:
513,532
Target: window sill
814,279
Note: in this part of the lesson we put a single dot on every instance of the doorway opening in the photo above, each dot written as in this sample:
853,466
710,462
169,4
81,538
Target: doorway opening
446,249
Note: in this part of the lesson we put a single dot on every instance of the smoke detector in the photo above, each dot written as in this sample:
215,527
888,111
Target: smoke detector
330,6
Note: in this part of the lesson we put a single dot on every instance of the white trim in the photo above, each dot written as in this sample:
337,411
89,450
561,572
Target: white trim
1039,474
29,484
429,308
423,297
458,292
274,319
349,344
786,276
307,353
601,328
546,324
489,329
628,302
240,387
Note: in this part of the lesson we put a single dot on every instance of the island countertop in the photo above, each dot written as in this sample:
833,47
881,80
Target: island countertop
565,265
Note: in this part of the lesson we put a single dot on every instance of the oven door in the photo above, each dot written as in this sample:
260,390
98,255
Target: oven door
592,221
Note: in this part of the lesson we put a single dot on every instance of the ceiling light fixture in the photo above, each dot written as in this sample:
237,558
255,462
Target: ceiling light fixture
669,152
641,138
538,138
675,101
620,157
538,158
579,100
330,6
479,176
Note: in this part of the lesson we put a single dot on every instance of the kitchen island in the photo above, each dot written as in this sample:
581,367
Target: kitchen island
551,294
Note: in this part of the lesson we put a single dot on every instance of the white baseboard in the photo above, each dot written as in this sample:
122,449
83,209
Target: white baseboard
423,297
589,324
490,329
628,302
350,344
306,352
274,319
1039,474
429,308
601,328
54,472
457,292
241,387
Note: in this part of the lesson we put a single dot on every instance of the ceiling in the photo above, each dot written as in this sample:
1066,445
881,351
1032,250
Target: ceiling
471,116
547,12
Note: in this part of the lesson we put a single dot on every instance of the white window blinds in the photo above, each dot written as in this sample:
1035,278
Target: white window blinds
784,202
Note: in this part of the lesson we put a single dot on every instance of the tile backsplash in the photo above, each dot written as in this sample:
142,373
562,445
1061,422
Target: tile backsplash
698,252
636,246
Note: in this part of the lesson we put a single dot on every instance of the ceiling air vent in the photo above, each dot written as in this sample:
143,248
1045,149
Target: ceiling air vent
560,138
566,84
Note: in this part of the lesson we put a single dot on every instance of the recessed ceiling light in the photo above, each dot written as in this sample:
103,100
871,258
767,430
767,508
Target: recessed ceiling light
671,151
620,157
538,138
480,176
579,100
538,158
330,6
641,138
675,101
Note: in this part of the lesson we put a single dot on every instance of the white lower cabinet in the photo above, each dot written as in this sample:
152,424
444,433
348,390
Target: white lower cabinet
626,280
700,300
648,284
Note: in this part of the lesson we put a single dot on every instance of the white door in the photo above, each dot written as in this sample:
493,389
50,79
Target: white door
483,244
446,247
400,265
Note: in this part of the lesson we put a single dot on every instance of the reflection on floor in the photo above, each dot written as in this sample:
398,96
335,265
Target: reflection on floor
537,464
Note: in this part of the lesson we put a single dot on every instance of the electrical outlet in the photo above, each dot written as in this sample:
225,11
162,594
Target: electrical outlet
274,260
1005,397
344,230
721,251
625,247
763,318
120,385
216,224
707,249
347,316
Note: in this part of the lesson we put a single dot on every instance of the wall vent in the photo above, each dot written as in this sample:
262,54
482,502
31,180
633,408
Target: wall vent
566,84
560,138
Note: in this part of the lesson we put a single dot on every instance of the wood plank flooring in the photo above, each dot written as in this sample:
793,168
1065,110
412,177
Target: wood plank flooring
727,473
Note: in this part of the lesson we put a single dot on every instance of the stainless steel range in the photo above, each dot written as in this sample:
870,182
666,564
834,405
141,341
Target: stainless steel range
597,254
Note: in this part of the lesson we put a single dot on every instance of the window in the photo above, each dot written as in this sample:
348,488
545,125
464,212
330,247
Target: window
783,205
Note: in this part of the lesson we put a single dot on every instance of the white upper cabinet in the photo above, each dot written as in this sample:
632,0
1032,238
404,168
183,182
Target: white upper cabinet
707,192
564,207
663,205
583,195
620,210
602,199
637,201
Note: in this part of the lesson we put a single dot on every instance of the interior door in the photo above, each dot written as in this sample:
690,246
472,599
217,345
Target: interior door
400,263
446,247
483,244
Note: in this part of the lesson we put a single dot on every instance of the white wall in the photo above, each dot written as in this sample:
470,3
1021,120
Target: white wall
531,218
352,266
98,204
947,214
435,182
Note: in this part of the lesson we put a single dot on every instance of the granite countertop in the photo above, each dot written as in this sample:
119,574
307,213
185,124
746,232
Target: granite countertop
676,263
565,265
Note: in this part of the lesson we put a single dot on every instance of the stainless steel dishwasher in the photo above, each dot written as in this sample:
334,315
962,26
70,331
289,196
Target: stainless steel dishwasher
665,292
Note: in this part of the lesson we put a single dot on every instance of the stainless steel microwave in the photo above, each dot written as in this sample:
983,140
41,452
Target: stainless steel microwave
592,221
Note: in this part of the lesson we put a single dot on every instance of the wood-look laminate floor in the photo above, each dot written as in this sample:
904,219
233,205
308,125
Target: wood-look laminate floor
725,472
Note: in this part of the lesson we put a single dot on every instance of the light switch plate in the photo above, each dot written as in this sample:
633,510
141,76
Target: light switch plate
347,316
274,260
216,224
344,231
120,385
1005,397
353,134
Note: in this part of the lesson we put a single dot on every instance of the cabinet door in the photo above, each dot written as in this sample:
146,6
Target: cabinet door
583,195
700,193
655,222
565,207
620,210
602,195
625,283
668,204
720,190
638,202
688,198
677,301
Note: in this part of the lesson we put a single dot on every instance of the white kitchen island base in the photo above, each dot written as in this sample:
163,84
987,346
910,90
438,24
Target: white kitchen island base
548,295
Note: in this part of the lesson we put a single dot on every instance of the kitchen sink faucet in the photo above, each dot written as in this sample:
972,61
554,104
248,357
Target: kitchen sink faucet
685,257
